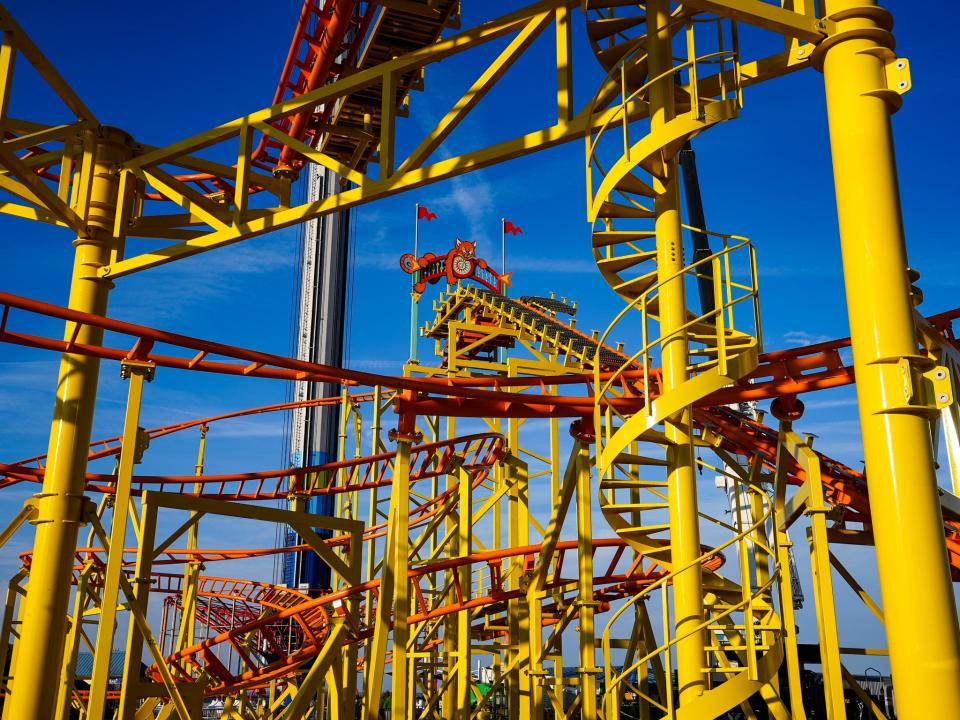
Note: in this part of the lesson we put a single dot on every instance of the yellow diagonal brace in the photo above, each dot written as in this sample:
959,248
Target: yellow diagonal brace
42,191
27,512
32,53
8,55
184,196
314,678
357,81
865,698
488,78
186,525
28,212
39,137
856,587
311,154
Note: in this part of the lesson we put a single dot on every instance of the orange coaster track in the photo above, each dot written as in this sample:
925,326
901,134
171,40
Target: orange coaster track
783,373
621,577
268,657
779,374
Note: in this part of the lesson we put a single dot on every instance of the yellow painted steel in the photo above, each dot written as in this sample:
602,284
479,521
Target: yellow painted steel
191,572
726,634
588,669
816,510
862,88
136,374
62,507
681,474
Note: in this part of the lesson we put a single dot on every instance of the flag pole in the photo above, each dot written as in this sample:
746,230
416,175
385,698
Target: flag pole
414,302
503,246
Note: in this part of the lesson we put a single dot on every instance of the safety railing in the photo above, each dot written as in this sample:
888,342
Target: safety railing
719,336
728,84
756,635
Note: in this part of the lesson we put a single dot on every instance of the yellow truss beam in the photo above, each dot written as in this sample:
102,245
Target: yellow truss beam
409,173
15,36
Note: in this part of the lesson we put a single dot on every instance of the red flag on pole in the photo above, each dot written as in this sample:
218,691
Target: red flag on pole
424,214
509,227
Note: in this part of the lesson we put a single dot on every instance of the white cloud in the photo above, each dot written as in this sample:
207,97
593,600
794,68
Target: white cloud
829,404
169,292
32,374
473,198
246,428
802,337
378,260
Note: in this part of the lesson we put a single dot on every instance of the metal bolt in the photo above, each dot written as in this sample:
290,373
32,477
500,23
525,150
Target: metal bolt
940,374
942,398
801,52
902,84
901,64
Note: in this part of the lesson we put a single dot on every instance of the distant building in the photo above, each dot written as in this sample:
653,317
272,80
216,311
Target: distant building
85,667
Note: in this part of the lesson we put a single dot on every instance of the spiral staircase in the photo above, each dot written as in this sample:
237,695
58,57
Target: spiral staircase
628,166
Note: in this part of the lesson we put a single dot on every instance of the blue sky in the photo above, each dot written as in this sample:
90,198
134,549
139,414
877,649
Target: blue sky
177,68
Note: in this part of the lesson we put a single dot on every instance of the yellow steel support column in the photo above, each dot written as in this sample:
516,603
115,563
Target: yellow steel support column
393,604
452,641
585,601
785,586
135,373
681,475
81,602
130,693
191,568
369,598
914,578
61,503
518,534
825,604
461,694
341,685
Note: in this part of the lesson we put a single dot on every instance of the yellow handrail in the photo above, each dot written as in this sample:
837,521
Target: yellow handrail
642,300
720,56
663,581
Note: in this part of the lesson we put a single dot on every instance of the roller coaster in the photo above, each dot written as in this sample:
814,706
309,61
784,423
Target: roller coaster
582,573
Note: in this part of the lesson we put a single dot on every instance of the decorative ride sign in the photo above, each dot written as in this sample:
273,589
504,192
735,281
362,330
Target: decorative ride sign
460,263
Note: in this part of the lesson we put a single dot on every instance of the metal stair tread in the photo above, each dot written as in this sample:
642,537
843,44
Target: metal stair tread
632,184
605,238
602,28
611,209
622,262
637,285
